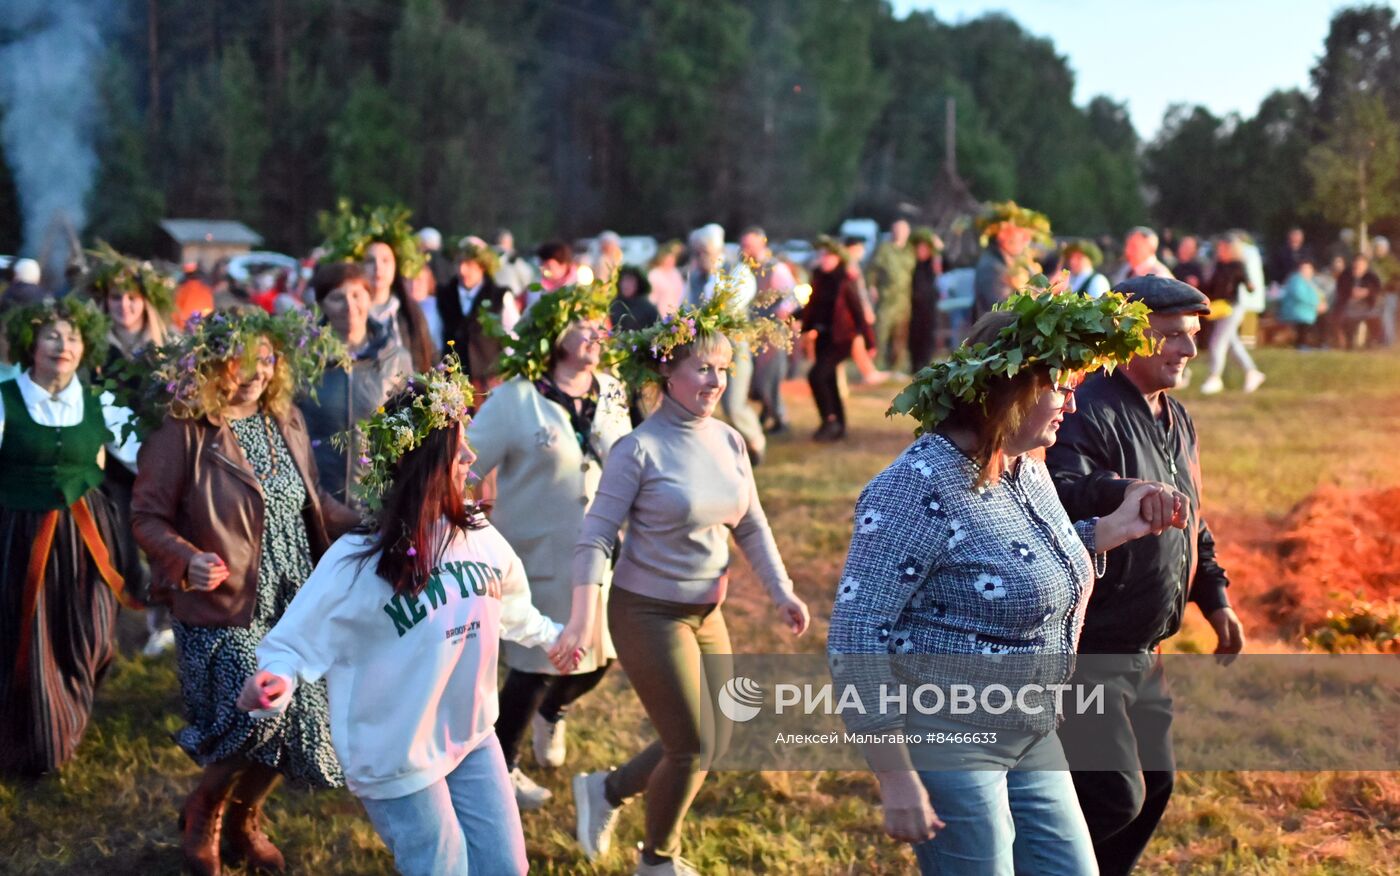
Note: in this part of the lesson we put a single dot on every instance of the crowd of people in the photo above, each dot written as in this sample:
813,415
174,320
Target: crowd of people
411,459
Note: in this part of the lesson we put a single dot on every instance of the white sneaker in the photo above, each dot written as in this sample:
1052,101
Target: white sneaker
528,795
158,643
674,867
1252,380
548,740
1212,386
595,817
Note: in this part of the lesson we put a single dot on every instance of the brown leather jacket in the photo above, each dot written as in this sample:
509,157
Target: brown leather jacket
196,492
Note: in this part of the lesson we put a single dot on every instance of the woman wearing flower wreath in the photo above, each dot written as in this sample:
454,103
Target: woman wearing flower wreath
547,432
681,482
59,545
383,241
402,620
962,549
229,510
139,301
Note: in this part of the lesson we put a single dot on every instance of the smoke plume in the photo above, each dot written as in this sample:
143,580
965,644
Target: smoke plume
49,51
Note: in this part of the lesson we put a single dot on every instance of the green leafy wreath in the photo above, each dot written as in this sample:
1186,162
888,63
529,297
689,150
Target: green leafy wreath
642,351
349,234
1063,332
441,398
527,349
168,379
109,270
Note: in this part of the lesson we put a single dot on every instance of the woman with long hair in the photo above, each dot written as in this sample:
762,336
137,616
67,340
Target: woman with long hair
382,240
229,509
393,307
59,541
402,619
138,301
682,483
962,549
547,432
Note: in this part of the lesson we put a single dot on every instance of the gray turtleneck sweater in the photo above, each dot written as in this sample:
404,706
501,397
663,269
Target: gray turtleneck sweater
682,483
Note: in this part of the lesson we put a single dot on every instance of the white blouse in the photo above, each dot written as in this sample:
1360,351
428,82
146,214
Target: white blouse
66,409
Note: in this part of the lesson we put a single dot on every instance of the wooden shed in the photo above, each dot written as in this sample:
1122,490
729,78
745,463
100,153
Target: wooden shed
205,241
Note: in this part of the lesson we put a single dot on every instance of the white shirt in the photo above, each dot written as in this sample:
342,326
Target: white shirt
66,409
510,311
1097,286
411,679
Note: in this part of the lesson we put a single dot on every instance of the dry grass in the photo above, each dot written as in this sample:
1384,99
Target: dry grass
1322,417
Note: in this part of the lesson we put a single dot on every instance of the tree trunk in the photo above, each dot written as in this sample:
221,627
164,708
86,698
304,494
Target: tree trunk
1363,237
153,66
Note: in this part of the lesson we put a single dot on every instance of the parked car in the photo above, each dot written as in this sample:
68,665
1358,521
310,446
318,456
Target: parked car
796,250
638,249
243,268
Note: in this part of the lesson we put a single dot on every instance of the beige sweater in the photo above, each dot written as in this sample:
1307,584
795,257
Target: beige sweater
682,484
544,483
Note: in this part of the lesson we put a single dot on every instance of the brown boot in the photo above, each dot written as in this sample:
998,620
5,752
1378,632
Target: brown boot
202,815
243,822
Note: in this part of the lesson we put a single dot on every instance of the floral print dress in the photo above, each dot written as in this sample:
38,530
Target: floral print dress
215,661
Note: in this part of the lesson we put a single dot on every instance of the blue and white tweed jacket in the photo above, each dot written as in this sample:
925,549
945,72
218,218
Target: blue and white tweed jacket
937,567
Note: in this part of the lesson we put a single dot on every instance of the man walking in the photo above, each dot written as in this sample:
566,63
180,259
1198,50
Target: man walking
1128,429
889,278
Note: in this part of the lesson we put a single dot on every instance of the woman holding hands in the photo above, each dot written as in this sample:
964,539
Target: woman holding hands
546,432
682,483
962,549
402,619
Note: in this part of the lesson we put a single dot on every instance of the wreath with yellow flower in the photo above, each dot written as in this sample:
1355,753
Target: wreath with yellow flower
170,378
438,399
1054,329
643,351
1010,213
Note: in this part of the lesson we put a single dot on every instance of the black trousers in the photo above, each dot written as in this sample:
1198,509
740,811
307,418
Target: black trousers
826,392
923,333
1124,769
526,693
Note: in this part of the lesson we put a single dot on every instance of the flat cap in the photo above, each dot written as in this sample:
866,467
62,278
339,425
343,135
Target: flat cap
1164,295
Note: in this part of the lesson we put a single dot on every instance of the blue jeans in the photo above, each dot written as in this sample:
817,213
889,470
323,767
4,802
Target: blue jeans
1013,811
464,824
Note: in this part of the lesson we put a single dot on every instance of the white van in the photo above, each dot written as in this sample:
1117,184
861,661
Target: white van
867,229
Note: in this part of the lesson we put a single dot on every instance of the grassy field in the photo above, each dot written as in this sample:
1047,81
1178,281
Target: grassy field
1320,418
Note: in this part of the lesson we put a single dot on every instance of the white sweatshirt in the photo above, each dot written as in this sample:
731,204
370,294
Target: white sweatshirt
411,680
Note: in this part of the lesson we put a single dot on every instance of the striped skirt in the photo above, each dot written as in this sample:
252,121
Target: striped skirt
46,696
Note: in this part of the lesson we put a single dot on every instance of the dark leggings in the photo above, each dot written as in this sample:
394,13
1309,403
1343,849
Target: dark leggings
526,693
825,389
676,655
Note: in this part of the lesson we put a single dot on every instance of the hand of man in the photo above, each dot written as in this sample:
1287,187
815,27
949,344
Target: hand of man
1229,633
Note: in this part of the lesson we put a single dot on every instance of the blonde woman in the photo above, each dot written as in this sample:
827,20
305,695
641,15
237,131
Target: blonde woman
229,509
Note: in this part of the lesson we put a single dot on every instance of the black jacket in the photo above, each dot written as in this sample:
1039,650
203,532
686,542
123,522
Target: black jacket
835,310
630,314
1111,441
1225,281
480,353
346,396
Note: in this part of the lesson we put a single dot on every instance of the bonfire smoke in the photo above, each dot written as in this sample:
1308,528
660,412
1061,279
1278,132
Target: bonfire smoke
48,90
